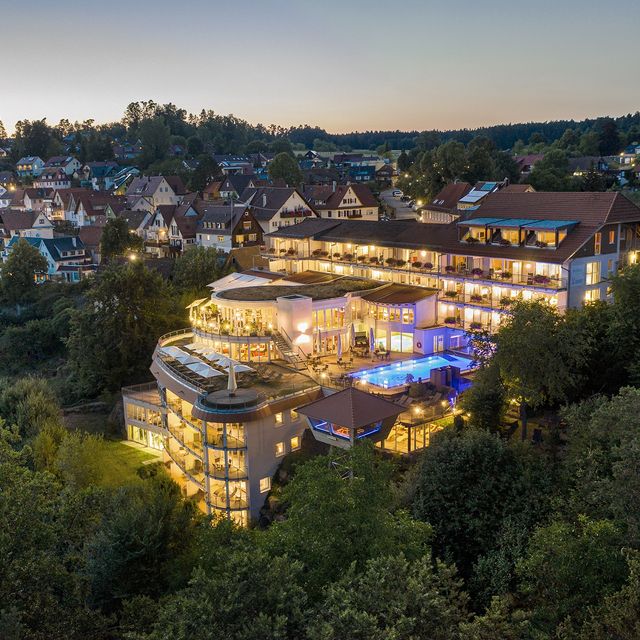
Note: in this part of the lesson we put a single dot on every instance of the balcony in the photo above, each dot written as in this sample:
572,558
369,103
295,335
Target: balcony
192,471
220,472
499,303
505,277
216,440
192,446
220,502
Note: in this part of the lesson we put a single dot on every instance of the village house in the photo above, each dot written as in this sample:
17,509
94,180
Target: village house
29,166
70,165
353,201
149,192
226,227
52,179
275,207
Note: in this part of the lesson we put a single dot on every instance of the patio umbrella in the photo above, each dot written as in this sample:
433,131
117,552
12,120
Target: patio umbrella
242,368
352,336
232,385
372,340
339,346
318,342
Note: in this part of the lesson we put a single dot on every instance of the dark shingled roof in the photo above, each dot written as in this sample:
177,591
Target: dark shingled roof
448,197
351,408
398,294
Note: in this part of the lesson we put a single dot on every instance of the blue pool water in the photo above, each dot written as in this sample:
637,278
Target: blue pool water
395,374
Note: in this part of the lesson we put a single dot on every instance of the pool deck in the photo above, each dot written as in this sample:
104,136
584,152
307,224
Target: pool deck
329,371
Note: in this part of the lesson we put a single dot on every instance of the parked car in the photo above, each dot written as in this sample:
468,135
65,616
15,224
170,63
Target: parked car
396,193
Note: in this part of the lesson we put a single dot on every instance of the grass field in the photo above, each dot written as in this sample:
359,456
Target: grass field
121,463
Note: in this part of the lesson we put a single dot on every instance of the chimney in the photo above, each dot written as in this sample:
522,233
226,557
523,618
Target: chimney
73,241
335,184
264,200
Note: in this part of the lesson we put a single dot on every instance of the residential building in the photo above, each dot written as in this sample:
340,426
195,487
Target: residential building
527,162
100,175
227,227
235,184
230,164
149,192
629,154
29,166
127,151
70,165
582,165
24,224
353,201
473,199
444,207
38,200
66,257
52,179
275,207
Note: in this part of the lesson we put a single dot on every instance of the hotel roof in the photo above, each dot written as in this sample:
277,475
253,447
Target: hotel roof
398,294
351,408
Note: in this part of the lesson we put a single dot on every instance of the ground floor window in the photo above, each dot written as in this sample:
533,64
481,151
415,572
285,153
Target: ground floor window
402,342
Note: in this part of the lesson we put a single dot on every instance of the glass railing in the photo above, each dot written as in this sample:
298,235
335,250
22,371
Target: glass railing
232,442
220,472
221,502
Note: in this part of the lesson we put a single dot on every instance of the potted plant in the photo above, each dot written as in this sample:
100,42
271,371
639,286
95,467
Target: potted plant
541,244
505,301
336,255
283,251
476,272
451,294
316,252
472,240
272,250
449,320
373,260
390,261
449,268
541,279
475,326
504,242
362,258
475,297
324,253
291,251
416,265
400,263
348,257
506,275
428,265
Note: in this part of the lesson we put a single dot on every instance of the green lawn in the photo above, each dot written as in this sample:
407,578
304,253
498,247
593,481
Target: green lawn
121,463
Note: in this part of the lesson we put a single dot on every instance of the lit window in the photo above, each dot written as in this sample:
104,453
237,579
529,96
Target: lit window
593,273
612,236
597,243
295,443
279,449
592,295
279,418
265,485
294,414
220,238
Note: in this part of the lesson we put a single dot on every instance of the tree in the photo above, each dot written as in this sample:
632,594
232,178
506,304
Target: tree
551,173
330,519
625,287
601,462
196,268
142,543
194,146
284,167
32,138
404,161
535,364
112,338
468,485
117,239
485,400
206,171
568,568
618,616
3,131
155,138
371,605
281,145
608,137
19,272
592,180
451,160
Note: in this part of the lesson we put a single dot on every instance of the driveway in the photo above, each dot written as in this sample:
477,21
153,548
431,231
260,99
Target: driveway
402,211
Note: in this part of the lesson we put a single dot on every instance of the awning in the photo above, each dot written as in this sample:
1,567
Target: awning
196,303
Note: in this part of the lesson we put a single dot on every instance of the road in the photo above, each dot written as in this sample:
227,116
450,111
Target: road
401,210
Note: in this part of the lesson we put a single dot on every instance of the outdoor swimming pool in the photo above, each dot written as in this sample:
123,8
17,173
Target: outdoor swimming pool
395,375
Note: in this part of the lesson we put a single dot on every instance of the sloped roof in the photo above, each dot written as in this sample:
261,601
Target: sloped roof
12,220
91,235
325,197
351,408
265,202
448,197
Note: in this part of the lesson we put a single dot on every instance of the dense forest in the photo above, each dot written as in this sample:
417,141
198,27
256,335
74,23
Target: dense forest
160,126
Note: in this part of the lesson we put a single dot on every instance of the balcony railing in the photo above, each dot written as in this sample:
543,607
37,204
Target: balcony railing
217,441
220,472
194,474
192,446
501,303
218,331
219,502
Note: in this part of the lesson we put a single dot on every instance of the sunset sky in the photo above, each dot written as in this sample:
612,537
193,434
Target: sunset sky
340,64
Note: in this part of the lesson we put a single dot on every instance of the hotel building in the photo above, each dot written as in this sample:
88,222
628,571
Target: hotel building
405,291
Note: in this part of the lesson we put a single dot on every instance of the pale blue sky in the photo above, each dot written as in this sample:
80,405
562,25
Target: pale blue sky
340,64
